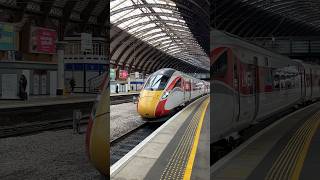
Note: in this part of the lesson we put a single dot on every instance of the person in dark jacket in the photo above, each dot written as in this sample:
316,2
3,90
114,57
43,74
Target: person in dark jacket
22,87
72,84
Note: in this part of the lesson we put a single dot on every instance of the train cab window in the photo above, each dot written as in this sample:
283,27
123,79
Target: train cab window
178,84
157,82
219,67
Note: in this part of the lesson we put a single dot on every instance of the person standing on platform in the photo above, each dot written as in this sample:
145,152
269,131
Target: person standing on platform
22,87
117,88
72,84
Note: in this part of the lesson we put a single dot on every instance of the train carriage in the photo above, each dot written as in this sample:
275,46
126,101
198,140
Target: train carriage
167,89
251,83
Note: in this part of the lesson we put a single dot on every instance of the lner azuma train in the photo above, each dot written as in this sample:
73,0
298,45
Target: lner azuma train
167,89
98,129
251,83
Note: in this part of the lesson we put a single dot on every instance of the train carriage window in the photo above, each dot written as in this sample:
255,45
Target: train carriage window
219,67
276,80
283,81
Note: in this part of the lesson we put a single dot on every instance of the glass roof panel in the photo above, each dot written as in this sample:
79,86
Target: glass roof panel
166,35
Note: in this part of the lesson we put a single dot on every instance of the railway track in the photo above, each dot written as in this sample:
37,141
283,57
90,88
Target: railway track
122,145
36,127
39,124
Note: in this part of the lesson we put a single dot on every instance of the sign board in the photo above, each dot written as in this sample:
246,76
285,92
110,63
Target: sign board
123,74
9,86
43,40
86,42
7,37
112,74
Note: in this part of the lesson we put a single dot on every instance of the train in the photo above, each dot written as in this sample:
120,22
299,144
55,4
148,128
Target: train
167,89
251,83
98,128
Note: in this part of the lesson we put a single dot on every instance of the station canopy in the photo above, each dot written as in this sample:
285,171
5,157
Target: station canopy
163,25
258,18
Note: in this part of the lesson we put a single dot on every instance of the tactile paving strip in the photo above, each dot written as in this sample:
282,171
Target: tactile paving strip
178,161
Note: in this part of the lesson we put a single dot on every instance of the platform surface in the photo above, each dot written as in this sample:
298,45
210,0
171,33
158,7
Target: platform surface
54,100
179,148
288,149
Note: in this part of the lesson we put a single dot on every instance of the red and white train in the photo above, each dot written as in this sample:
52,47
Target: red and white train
251,83
167,89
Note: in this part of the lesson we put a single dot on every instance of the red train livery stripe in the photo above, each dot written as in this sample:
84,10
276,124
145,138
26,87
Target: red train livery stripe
173,83
161,111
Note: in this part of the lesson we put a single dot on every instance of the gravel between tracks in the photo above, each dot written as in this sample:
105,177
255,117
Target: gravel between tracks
48,155
124,118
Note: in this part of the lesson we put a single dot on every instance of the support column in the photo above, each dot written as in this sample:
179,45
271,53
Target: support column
60,53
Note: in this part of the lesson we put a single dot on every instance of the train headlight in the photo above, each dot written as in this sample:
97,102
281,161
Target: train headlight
165,95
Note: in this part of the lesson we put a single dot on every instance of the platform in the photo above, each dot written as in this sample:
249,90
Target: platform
177,149
35,101
288,149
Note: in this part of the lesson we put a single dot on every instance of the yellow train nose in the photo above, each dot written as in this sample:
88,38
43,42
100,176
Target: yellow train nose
148,103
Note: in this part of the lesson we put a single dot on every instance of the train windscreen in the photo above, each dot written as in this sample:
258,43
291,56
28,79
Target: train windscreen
157,82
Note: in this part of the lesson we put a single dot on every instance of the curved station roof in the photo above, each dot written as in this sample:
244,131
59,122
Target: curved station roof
66,16
260,18
147,35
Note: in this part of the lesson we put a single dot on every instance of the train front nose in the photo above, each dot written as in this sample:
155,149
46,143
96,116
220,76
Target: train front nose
148,103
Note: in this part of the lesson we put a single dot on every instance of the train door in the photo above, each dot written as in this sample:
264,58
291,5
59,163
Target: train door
255,86
311,83
187,89
236,86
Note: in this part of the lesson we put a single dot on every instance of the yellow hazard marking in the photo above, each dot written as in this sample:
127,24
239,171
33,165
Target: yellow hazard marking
299,165
188,170
289,163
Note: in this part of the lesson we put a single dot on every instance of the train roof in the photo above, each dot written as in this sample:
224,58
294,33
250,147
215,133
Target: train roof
224,38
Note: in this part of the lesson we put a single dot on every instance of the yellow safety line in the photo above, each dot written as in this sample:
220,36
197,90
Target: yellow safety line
299,165
188,170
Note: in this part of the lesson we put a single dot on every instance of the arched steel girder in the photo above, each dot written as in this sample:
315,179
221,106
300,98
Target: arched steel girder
151,58
143,54
173,15
128,44
254,27
266,28
161,6
119,44
225,13
158,62
190,4
236,19
145,49
245,17
145,57
307,16
155,59
134,52
147,23
285,8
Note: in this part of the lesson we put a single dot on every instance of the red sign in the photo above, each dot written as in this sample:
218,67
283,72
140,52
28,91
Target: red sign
43,40
123,74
